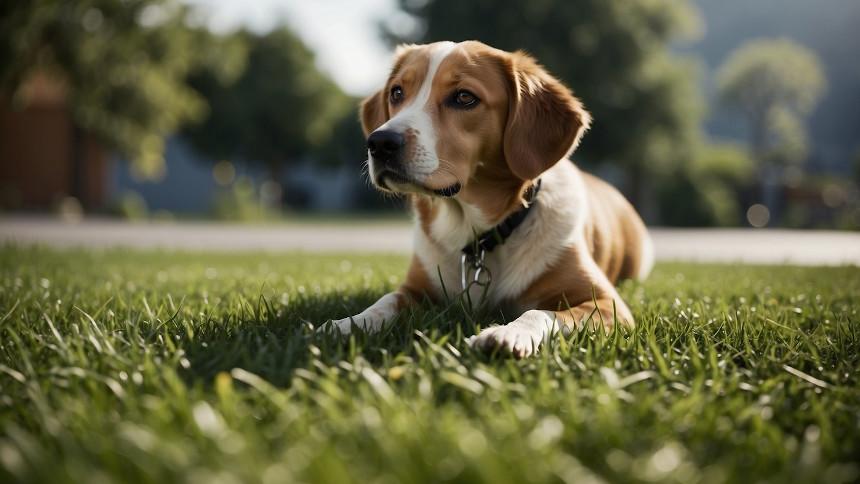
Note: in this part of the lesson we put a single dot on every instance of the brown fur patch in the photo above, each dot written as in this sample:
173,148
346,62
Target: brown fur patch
410,67
426,210
614,235
578,288
613,230
545,120
418,284
374,111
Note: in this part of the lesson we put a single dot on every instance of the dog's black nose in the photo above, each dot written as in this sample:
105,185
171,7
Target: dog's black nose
385,145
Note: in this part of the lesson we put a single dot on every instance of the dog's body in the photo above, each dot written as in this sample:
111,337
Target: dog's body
465,130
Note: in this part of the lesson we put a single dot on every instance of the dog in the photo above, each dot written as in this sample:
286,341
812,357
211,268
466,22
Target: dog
477,139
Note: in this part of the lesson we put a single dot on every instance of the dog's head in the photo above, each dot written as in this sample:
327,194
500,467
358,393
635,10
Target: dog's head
449,110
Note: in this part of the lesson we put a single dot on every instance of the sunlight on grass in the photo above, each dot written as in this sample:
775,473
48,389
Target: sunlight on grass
158,367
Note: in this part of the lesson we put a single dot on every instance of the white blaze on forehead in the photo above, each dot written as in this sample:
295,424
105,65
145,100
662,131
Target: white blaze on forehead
416,115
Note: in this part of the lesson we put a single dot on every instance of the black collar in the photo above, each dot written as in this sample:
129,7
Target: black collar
497,235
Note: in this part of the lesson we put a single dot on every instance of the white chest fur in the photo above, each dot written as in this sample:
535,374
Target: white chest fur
553,224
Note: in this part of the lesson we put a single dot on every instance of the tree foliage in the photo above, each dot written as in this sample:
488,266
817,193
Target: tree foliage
280,108
775,83
123,64
612,53
708,185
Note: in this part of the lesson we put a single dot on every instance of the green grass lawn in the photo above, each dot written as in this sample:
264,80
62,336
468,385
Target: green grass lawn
159,367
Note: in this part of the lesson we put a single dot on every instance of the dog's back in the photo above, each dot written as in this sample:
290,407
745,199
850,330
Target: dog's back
616,235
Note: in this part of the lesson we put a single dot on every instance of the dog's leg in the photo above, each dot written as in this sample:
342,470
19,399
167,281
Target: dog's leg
523,336
566,298
416,288
372,319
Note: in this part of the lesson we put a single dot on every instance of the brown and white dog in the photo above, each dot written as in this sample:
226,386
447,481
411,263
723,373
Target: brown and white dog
465,131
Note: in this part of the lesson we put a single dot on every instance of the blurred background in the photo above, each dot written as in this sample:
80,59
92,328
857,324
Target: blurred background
707,113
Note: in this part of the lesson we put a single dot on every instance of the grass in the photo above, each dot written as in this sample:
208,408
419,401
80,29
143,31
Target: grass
161,367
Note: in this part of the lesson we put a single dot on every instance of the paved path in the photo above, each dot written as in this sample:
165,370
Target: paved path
705,245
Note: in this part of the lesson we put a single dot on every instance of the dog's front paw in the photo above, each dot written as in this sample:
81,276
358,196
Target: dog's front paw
517,340
346,326
341,327
520,338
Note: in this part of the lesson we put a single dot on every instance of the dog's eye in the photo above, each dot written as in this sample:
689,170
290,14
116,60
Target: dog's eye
464,99
396,94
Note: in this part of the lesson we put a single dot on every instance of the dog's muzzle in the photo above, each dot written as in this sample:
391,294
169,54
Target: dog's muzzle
386,148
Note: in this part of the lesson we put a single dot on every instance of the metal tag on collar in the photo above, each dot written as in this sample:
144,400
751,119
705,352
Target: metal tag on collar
473,263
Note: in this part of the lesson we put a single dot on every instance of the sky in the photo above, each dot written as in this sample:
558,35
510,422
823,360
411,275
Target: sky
343,33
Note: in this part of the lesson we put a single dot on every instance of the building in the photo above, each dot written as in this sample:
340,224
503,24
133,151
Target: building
44,158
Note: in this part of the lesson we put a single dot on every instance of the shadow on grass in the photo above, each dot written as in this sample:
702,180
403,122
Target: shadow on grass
272,341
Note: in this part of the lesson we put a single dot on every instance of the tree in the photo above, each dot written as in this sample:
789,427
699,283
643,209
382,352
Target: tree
709,185
123,64
279,109
613,54
775,83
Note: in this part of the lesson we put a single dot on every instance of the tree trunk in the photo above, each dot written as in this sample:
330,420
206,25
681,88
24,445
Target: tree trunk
78,168
642,194
275,200
758,148
769,173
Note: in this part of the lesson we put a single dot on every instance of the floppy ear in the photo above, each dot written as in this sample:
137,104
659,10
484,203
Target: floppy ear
545,120
374,112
